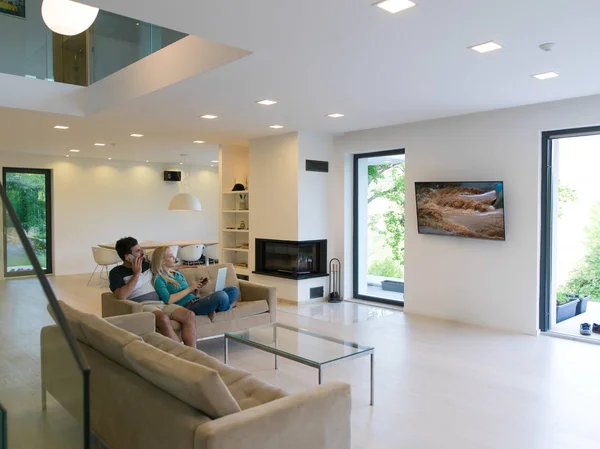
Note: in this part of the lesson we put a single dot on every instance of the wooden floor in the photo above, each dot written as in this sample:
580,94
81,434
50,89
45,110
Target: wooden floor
438,384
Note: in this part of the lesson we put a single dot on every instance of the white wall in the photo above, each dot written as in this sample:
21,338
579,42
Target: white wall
274,187
489,283
100,201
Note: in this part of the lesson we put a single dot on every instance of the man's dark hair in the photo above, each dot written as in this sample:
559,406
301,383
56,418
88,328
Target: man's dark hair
124,246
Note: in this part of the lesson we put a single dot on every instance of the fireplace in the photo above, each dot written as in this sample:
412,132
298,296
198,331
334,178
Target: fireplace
291,260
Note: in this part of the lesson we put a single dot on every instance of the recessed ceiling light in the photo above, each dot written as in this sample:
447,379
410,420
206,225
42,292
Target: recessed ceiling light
198,141
486,47
67,155
61,127
545,75
100,144
209,117
147,161
110,158
181,163
267,102
335,115
136,135
394,6
74,151
276,126
215,162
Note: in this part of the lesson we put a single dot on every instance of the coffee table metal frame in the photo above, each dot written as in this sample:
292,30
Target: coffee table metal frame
276,352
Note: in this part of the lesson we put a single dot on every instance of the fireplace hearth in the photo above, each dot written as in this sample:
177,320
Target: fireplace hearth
291,259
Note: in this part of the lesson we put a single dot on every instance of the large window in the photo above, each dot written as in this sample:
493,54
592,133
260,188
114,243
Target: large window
379,226
29,190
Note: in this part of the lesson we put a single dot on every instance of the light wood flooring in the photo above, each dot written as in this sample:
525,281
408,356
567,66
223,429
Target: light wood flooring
438,384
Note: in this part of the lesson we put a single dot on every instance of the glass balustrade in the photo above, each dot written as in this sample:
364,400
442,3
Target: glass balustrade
29,48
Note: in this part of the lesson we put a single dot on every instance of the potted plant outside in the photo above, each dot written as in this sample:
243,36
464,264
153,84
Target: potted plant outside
566,307
582,304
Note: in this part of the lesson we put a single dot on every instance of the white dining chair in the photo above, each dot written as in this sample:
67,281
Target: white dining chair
211,252
104,258
190,255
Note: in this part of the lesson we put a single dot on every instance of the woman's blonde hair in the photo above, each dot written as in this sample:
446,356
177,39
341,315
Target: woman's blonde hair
158,266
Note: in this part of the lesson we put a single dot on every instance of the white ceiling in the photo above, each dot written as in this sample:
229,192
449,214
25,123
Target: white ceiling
316,57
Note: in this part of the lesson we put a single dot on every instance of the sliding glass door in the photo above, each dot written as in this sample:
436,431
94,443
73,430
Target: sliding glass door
379,226
570,290
29,191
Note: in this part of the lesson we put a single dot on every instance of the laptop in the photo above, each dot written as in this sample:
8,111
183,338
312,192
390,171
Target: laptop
221,276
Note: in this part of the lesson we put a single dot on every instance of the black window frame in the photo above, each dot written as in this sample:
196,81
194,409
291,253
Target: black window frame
49,222
547,215
355,264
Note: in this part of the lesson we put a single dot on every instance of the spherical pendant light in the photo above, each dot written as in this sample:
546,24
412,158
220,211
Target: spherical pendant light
185,201
68,18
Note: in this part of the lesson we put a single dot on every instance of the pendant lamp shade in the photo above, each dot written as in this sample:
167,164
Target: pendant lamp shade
185,201
68,18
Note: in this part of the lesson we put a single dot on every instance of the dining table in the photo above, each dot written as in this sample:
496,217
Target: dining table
151,244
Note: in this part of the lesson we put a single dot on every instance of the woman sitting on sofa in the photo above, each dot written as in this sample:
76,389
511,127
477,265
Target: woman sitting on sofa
172,287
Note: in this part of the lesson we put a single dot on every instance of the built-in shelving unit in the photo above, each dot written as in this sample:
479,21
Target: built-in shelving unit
236,230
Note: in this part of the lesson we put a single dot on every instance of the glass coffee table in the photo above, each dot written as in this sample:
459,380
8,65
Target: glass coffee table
300,345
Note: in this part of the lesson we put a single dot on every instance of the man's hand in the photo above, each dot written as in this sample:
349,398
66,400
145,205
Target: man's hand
136,266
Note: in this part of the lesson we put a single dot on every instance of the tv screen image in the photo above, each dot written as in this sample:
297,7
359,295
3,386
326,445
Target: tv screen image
465,209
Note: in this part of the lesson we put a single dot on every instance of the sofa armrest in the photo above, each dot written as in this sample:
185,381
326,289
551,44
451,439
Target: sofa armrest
111,306
251,291
136,323
317,419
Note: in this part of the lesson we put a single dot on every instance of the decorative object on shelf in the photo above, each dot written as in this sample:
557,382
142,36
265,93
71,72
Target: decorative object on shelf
13,8
243,204
238,187
68,18
242,225
335,274
245,245
185,201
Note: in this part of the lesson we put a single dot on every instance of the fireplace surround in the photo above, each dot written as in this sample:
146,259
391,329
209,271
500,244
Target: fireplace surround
291,259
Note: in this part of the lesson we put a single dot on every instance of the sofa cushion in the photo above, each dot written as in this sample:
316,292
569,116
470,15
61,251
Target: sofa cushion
74,317
194,384
250,392
227,373
108,339
242,310
201,271
247,390
201,320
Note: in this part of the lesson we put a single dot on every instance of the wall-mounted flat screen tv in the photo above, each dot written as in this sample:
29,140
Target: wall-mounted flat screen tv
464,209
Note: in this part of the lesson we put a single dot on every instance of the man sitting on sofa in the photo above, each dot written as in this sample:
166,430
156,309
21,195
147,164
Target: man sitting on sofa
133,281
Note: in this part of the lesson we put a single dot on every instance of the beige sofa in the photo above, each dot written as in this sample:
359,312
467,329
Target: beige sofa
257,303
149,392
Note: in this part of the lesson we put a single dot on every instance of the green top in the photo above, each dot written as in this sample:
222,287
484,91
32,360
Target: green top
166,289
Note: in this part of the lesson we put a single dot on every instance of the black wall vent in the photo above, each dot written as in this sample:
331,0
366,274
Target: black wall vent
320,166
316,292
172,176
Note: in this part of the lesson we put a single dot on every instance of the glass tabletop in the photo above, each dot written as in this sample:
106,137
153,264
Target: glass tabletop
297,343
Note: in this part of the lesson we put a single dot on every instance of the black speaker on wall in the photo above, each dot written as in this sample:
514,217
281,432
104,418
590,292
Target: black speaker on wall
172,176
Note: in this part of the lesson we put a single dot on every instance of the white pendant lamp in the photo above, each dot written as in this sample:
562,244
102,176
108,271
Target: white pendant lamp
185,201
68,18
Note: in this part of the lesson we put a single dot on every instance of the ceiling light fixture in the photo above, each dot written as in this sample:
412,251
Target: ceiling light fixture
545,75
136,135
209,116
394,6
100,144
215,162
335,115
68,18
74,151
276,126
61,127
198,141
147,162
184,200
486,47
267,102
110,158
67,155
